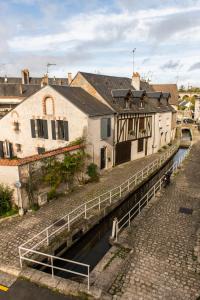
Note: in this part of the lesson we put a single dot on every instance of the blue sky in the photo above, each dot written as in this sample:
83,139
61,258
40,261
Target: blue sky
99,35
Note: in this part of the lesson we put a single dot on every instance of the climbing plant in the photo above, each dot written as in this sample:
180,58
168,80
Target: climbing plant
5,199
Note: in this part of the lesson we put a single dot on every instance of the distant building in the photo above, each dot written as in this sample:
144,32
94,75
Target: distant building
197,109
14,89
168,88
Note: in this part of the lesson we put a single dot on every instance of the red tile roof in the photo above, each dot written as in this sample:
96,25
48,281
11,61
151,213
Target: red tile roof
29,159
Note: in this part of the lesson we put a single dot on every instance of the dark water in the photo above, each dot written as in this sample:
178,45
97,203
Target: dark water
91,247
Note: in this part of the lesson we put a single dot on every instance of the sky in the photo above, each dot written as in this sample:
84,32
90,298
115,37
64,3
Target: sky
99,36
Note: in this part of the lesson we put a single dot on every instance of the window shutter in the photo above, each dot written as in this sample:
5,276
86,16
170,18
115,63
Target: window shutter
66,130
45,128
53,129
108,127
103,128
33,133
10,150
1,150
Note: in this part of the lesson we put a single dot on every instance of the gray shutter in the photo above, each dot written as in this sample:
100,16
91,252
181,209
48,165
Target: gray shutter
108,127
53,129
1,150
103,128
33,133
45,128
11,150
66,130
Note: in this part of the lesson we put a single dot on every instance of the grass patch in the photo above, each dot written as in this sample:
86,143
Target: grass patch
9,213
85,296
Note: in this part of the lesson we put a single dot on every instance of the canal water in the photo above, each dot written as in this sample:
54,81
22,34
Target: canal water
91,247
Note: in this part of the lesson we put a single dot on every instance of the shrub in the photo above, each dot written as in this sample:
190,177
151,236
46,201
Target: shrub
5,199
92,172
52,194
35,206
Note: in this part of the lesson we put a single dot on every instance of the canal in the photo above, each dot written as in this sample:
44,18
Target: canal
92,246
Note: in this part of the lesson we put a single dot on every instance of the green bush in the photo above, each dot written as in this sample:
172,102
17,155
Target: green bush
92,171
52,194
5,199
35,206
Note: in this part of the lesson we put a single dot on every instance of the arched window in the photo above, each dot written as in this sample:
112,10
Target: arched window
48,105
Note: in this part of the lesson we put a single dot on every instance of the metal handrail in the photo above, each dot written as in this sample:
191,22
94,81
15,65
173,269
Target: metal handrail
108,196
83,208
117,226
51,265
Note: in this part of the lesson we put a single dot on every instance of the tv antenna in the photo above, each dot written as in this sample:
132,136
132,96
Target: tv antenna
134,58
49,65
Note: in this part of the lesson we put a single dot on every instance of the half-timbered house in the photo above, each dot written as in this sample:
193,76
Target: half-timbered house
143,121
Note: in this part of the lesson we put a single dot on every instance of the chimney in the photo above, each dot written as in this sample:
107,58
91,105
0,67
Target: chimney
45,80
21,89
25,76
136,81
69,78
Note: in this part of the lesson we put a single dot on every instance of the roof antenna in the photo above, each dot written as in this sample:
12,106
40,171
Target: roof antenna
134,58
49,65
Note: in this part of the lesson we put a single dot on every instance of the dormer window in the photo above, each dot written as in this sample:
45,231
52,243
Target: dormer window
142,104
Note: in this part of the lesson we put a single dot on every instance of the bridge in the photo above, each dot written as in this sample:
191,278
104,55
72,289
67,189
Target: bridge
189,94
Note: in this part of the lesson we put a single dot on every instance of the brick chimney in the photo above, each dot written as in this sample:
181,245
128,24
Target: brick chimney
136,81
21,89
69,78
25,76
45,80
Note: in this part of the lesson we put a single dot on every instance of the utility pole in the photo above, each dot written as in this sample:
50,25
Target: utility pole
134,58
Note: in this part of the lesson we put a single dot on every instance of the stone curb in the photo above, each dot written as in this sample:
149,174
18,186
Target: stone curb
61,285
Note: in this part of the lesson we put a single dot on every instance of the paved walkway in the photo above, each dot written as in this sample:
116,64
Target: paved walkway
17,230
163,264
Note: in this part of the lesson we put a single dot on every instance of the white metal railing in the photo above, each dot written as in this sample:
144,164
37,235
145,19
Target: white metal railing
50,263
98,202
118,225
44,237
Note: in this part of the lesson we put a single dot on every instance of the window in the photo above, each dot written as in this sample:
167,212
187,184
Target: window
62,130
1,150
16,125
42,128
105,128
40,150
48,106
130,125
141,124
18,147
140,145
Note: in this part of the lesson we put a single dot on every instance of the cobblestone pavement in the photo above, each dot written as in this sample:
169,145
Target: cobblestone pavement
17,230
163,264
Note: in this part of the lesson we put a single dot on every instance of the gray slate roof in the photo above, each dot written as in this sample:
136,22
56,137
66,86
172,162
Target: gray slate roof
84,101
34,80
17,90
104,84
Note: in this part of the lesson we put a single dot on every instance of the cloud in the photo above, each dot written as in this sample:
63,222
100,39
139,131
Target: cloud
194,67
174,24
170,65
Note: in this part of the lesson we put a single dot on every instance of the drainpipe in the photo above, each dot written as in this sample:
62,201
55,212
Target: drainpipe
115,116
154,132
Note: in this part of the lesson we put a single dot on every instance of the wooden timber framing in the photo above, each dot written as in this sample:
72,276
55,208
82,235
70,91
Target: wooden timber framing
125,133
